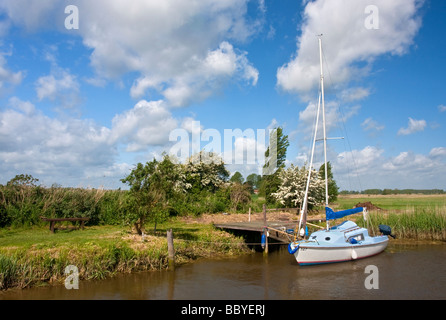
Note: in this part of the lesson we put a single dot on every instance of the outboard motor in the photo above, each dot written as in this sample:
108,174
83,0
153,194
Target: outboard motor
386,230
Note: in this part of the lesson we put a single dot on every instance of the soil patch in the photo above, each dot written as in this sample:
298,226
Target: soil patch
368,205
218,218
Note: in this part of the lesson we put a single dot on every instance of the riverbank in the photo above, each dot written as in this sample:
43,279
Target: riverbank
35,256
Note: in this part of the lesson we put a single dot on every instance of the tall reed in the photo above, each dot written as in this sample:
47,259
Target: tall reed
420,223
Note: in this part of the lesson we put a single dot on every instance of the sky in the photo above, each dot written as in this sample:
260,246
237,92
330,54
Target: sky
88,89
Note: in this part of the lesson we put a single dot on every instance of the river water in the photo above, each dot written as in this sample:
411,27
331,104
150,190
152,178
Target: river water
403,271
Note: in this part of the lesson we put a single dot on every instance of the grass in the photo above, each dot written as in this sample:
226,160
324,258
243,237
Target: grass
393,202
35,256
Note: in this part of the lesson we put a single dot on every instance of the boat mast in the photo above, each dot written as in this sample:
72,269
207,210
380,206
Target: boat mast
323,122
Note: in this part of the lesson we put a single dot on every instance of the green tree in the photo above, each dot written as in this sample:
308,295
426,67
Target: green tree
333,190
152,186
237,177
205,171
281,146
271,181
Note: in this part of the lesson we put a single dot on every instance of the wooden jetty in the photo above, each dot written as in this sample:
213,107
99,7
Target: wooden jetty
282,231
276,229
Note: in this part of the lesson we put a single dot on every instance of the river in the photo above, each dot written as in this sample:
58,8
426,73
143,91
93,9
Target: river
403,271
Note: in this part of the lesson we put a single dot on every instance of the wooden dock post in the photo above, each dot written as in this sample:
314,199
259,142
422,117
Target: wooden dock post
170,250
265,230
249,214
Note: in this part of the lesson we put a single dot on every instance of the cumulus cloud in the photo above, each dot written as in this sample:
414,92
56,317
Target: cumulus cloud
31,142
181,49
413,126
71,149
8,77
370,167
371,125
148,123
60,87
307,117
349,46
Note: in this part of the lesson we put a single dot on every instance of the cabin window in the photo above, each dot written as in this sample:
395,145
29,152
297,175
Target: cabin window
357,237
327,239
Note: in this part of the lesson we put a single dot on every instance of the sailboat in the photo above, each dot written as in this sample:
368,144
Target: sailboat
344,242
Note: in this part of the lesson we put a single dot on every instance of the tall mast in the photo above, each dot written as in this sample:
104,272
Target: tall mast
323,122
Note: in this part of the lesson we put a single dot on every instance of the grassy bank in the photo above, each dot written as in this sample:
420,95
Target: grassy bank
34,256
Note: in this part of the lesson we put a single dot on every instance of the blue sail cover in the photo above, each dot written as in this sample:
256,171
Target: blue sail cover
330,214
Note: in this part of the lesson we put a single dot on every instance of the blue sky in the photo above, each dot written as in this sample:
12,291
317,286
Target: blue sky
80,107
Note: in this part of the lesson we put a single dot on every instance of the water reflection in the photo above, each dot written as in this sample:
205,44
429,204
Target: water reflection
405,272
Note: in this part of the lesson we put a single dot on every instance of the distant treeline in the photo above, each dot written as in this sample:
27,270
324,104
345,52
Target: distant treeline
395,191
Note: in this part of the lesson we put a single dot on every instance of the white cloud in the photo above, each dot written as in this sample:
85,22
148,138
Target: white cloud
371,168
354,94
8,77
307,118
437,152
371,125
148,123
349,47
74,151
31,142
60,87
413,126
181,49
442,108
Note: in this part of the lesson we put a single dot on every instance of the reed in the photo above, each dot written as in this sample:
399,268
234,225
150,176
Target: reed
420,223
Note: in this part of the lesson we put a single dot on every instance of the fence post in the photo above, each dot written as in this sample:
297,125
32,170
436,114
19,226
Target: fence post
265,230
249,214
170,250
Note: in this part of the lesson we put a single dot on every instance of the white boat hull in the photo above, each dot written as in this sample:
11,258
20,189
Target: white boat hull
311,253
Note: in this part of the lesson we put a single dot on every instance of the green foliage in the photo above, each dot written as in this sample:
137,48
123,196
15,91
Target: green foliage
152,186
271,182
282,145
333,190
157,190
237,177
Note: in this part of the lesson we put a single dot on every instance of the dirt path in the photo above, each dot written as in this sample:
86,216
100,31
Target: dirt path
242,217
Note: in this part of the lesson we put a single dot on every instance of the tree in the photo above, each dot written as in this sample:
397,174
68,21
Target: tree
254,181
152,186
237,177
240,195
205,171
281,146
291,190
271,182
333,190
25,180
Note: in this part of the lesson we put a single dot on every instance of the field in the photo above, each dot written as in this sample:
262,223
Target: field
393,202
